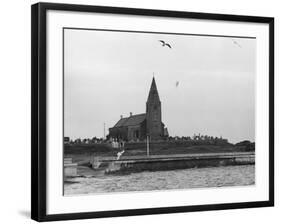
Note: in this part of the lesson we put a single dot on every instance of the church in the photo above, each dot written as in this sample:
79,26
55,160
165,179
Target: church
139,126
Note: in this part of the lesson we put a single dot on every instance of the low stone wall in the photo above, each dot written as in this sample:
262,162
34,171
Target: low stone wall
70,169
176,163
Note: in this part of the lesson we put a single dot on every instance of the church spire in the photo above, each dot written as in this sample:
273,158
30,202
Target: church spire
154,126
153,95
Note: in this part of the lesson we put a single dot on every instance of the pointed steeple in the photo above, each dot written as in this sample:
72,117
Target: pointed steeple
154,127
153,95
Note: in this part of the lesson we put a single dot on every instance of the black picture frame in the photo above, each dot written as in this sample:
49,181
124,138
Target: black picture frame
39,106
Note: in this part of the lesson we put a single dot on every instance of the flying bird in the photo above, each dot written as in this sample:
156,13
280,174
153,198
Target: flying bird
177,83
165,44
236,43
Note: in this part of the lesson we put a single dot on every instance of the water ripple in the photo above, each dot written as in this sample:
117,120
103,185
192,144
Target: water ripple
163,180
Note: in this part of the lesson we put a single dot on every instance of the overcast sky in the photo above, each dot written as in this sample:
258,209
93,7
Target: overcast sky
108,74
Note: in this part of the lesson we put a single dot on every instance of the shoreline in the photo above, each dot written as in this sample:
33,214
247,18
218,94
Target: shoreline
173,162
133,164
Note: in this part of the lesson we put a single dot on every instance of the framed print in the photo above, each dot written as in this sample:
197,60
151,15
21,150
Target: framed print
140,111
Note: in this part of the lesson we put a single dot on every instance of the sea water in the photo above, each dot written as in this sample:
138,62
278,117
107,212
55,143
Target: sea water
164,180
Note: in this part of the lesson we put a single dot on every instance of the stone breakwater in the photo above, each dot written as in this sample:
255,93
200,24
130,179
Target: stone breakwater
172,162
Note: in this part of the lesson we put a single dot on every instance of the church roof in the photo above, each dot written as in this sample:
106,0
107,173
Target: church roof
153,95
132,120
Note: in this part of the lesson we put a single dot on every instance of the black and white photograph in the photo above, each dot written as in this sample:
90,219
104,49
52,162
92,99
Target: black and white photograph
139,111
132,111
155,111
